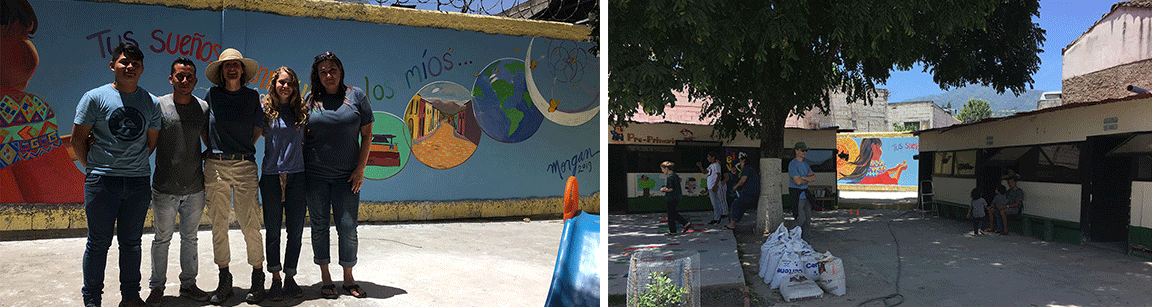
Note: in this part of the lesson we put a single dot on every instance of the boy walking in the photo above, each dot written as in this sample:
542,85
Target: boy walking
672,194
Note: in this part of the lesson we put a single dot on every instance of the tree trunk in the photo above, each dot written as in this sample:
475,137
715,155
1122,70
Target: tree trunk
769,209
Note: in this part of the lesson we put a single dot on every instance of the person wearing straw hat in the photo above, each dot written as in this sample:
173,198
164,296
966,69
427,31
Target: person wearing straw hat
235,121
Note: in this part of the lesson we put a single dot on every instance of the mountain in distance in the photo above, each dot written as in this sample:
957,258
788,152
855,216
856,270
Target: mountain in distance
447,107
999,102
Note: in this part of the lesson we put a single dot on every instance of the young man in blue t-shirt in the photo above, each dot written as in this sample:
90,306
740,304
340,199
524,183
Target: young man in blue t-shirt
122,120
799,175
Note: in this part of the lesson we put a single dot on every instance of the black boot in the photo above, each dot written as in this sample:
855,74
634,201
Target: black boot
256,294
224,290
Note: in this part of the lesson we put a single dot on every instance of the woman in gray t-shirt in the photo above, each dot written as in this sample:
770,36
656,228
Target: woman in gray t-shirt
339,121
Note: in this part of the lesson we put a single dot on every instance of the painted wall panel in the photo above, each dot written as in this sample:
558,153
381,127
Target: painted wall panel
954,190
877,160
1059,201
391,63
1141,204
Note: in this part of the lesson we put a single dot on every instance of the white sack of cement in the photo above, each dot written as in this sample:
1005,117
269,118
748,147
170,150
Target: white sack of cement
775,241
831,277
809,264
789,265
798,286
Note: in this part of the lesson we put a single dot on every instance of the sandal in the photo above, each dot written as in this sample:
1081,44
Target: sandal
329,291
728,228
357,289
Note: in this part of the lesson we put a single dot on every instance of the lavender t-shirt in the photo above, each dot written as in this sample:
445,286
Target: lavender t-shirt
283,144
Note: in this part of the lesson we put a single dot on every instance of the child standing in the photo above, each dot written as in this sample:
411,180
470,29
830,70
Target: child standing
977,211
671,191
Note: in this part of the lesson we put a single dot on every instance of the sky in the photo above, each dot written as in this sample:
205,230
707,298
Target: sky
1063,20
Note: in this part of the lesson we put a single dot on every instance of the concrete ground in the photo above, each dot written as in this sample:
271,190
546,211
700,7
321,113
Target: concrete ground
445,264
943,264
719,265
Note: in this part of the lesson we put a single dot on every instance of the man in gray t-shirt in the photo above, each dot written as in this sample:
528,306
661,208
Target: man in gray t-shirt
122,121
178,184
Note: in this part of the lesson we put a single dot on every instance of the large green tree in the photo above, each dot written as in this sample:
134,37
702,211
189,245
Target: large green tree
759,61
974,110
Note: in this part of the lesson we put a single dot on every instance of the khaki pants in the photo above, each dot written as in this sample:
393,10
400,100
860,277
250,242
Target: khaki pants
233,184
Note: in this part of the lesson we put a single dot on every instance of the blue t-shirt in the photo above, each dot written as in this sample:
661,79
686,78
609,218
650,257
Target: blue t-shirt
283,143
332,142
751,185
232,118
120,124
798,168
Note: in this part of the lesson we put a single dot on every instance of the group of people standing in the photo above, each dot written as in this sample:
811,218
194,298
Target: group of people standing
746,189
315,152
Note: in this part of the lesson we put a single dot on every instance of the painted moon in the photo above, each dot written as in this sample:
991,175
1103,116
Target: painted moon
567,72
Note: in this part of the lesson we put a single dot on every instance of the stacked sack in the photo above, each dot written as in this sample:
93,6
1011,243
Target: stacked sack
789,263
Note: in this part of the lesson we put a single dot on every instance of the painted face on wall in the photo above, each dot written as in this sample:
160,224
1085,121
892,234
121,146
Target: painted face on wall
233,70
183,79
876,151
284,86
330,76
18,55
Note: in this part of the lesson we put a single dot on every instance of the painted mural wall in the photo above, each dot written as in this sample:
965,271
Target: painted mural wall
459,114
877,160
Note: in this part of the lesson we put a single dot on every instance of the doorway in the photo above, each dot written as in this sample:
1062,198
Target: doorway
1109,191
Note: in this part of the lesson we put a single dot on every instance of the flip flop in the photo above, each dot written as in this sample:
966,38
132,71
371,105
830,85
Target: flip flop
356,288
728,228
331,295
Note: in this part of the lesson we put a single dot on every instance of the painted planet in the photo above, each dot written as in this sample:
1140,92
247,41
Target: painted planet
503,105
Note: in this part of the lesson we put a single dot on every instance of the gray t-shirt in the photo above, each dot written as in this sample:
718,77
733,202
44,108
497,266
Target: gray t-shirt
120,123
232,116
179,167
332,142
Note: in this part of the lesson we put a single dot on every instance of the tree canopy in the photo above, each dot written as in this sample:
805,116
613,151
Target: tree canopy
759,61
974,110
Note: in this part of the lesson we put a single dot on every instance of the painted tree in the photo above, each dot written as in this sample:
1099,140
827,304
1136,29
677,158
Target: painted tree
974,110
759,61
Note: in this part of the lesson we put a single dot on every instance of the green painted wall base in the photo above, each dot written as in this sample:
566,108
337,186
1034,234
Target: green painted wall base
1140,241
1026,225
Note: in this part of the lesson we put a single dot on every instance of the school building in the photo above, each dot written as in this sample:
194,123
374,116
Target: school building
1086,170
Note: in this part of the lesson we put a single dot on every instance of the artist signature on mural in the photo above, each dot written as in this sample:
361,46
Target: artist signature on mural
581,162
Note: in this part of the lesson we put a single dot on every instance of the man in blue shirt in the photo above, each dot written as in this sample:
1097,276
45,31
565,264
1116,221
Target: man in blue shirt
800,174
122,121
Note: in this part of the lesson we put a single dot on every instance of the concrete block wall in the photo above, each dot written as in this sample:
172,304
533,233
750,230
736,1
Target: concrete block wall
1107,83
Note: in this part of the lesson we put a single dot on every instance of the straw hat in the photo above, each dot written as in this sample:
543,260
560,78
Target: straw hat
213,70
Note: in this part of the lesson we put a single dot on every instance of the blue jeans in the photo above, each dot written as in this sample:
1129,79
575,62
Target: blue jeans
165,207
114,204
332,199
283,207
